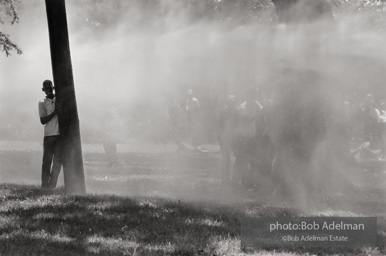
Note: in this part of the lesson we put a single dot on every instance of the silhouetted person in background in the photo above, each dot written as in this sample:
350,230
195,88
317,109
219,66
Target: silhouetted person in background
192,107
228,118
51,145
248,136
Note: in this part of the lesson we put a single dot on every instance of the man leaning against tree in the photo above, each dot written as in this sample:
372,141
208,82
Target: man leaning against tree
51,144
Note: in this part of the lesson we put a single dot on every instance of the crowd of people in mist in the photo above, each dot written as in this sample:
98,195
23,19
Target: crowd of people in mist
312,149
268,139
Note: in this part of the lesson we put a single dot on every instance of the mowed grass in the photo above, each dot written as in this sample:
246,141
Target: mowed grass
157,202
35,222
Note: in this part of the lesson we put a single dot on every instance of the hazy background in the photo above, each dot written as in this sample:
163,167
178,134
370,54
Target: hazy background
137,55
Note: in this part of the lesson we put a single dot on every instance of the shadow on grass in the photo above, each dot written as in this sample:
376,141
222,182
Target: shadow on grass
34,222
37,222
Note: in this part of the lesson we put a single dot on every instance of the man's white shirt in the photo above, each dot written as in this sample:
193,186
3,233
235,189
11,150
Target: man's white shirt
46,107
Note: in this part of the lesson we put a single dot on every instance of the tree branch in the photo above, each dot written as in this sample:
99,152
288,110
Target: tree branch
8,8
8,45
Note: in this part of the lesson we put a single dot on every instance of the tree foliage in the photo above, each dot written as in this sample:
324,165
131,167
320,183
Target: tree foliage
98,15
94,16
373,11
8,13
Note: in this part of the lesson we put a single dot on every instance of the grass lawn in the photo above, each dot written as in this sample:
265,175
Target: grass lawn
158,202
34,222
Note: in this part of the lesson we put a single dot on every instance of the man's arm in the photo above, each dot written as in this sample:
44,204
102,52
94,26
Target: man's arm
46,119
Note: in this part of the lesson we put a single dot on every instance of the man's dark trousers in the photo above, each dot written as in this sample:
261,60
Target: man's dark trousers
51,155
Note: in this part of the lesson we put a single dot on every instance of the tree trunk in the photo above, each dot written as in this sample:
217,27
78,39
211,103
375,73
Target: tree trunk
65,95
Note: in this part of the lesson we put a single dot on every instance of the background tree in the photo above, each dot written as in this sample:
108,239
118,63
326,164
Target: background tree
289,11
8,13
